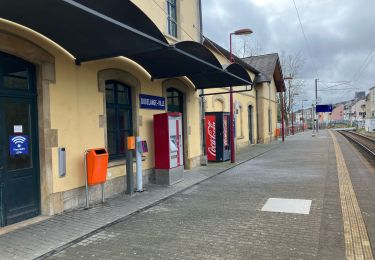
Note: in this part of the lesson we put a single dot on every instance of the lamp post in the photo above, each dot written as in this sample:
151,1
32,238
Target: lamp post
282,116
289,78
245,31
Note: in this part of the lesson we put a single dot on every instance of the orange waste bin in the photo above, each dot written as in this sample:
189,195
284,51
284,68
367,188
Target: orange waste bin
277,132
97,164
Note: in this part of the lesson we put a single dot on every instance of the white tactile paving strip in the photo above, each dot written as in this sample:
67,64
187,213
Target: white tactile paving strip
296,206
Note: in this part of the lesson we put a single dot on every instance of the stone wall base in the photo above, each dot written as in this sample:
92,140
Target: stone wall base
76,198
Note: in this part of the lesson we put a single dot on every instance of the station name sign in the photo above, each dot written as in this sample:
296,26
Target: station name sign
152,102
323,108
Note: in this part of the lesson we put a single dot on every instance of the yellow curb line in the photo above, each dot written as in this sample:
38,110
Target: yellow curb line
357,243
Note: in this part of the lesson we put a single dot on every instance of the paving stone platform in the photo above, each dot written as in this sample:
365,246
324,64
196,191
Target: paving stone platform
221,218
53,234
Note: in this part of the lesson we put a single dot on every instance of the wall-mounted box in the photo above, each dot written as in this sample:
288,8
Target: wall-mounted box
62,161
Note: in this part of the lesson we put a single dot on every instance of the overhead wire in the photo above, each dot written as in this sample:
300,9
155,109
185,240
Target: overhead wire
366,64
306,41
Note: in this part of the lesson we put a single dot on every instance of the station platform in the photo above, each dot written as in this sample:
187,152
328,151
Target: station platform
307,198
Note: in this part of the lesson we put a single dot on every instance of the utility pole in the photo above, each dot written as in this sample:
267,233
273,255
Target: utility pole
303,121
282,116
316,104
289,108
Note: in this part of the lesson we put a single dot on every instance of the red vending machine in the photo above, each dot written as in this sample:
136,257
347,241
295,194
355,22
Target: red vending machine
168,146
217,136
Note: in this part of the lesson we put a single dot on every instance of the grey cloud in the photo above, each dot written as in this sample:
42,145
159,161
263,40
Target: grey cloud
340,35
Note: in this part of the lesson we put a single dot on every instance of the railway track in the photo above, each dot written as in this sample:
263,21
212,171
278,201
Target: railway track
365,144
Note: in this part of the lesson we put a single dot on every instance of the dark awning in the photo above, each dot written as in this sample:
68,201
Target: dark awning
195,61
95,29
174,61
216,80
88,29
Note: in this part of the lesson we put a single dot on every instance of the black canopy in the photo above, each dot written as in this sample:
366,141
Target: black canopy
95,29
195,61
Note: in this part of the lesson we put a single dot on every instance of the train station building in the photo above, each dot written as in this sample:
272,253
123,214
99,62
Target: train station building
76,75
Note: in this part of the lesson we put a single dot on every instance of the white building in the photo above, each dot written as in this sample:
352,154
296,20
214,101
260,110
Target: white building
370,110
359,113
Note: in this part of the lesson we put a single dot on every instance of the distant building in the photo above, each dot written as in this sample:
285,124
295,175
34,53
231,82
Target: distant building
370,110
338,112
359,113
301,116
360,95
348,111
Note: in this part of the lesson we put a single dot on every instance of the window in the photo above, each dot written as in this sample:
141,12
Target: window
15,73
239,128
174,100
119,117
172,17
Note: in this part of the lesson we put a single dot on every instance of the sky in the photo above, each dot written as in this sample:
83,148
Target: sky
339,45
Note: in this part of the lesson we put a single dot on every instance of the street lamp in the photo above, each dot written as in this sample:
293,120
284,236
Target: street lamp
245,31
289,78
282,116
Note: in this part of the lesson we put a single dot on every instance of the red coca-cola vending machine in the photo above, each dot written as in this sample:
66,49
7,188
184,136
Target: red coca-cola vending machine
168,147
217,136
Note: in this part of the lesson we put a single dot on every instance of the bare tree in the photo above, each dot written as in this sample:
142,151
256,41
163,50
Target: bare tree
291,64
245,47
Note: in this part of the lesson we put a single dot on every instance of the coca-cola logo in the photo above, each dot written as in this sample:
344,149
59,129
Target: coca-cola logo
211,132
225,130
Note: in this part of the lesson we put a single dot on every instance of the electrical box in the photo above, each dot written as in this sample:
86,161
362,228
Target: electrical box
169,155
62,162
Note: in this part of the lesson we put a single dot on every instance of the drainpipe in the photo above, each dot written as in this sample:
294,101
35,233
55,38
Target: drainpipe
202,110
257,111
200,20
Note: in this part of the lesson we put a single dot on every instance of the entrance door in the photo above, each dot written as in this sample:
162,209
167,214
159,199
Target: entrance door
19,162
250,115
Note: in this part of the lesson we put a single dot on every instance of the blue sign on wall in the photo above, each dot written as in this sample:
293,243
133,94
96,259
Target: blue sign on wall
152,102
18,145
323,108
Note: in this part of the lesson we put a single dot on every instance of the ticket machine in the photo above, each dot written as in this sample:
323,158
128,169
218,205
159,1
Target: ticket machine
168,145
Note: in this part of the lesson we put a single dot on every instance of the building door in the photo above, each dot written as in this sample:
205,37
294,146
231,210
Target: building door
19,161
250,120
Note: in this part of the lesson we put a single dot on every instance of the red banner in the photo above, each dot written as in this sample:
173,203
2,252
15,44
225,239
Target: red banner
211,137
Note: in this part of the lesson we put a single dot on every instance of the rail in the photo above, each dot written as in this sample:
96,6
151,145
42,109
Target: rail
366,143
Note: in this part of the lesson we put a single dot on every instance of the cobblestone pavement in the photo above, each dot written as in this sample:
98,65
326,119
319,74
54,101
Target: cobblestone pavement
62,230
221,218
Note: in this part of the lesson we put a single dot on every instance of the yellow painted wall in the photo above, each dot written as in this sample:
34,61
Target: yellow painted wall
187,17
266,102
76,104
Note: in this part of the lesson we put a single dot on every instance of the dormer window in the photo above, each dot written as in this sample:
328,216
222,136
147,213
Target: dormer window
172,17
